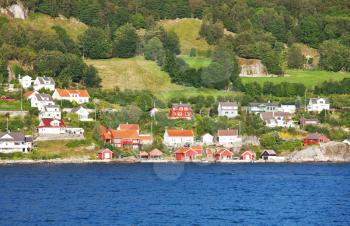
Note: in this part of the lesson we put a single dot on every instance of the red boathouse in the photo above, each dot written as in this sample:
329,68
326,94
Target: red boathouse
248,156
105,154
185,154
223,154
315,138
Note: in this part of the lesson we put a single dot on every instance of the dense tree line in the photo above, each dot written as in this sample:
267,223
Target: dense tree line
283,89
334,87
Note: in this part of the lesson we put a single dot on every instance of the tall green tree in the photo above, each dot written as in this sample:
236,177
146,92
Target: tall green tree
295,58
125,42
96,44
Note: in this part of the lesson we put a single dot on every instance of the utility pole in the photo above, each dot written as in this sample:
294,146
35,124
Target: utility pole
7,124
19,77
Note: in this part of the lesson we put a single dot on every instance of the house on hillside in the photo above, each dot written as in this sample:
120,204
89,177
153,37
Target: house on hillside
207,139
15,142
223,154
57,127
288,108
277,119
76,95
318,105
257,108
180,111
228,137
307,122
44,83
82,113
315,138
126,137
26,82
177,138
30,94
228,109
50,111
41,100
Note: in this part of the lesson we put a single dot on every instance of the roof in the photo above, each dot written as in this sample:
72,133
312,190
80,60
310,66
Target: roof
12,136
248,151
181,105
143,153
43,97
129,127
77,109
146,137
272,115
29,93
222,151
179,133
184,150
46,122
106,150
315,100
197,148
53,107
68,92
270,152
155,153
125,134
227,132
227,105
46,80
263,104
314,136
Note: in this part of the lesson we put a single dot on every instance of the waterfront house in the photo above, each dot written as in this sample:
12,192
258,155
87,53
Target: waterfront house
248,156
228,109
44,83
223,154
257,108
125,137
106,154
185,154
15,142
82,113
315,138
26,82
266,154
155,154
318,105
177,138
180,111
307,122
228,137
50,111
198,149
207,139
51,126
41,100
277,119
143,155
76,95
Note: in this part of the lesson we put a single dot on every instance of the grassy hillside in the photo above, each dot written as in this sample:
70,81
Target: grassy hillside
309,78
44,23
188,32
196,62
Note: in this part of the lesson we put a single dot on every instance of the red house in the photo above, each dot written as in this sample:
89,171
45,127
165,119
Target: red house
185,154
315,138
198,149
180,111
105,154
248,155
223,154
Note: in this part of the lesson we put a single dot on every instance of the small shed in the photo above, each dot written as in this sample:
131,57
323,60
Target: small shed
155,154
144,155
223,154
106,154
248,156
267,153
315,138
185,154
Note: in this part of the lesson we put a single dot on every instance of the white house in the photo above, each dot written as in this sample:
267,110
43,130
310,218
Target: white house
15,142
288,108
228,109
318,104
49,126
82,113
277,119
207,139
257,108
176,138
25,81
50,111
41,100
79,96
44,83
228,137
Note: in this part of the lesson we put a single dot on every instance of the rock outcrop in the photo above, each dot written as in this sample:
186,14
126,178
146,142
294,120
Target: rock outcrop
17,11
252,68
330,152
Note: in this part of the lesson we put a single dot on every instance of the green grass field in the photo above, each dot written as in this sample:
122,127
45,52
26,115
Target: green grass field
196,62
13,105
188,32
309,78
44,23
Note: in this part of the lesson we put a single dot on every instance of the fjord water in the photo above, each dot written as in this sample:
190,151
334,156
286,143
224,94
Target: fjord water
175,194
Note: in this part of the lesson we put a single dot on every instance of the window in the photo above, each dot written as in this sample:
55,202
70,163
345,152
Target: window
187,114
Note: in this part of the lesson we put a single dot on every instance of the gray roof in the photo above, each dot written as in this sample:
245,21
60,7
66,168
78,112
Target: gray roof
227,104
44,97
314,100
314,136
182,105
273,115
76,109
263,104
16,136
46,80
269,152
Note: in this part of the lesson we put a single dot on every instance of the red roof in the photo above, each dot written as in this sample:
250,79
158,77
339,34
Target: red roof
47,122
224,151
180,133
28,93
129,127
227,132
143,154
105,150
67,92
247,152
125,134
185,150
155,153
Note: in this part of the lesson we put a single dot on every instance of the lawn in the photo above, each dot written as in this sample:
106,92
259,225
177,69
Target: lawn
196,62
13,105
309,78
188,32
44,23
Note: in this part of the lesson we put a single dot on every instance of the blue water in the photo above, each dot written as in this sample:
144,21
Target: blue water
175,194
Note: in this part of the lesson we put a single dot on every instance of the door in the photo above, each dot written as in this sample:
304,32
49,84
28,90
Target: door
107,155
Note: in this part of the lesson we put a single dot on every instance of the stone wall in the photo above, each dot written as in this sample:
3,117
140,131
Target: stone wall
252,68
